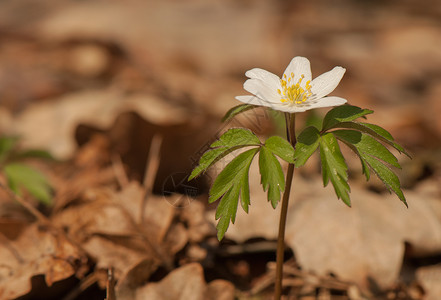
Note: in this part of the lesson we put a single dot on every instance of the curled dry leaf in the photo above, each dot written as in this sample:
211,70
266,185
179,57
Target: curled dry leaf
186,282
365,241
36,251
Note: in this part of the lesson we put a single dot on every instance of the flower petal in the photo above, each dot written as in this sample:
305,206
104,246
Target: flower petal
263,75
299,66
327,102
257,101
327,82
262,89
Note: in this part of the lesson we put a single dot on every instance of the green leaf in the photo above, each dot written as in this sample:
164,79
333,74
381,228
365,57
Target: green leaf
232,184
344,113
334,167
208,159
230,141
373,154
387,176
280,147
6,145
237,110
236,137
272,177
21,176
375,131
307,142
245,191
33,153
367,145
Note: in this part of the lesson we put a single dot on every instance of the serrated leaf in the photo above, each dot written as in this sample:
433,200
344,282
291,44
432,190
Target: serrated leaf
207,160
334,167
280,147
237,110
22,176
232,184
373,154
344,113
272,177
230,141
245,192
236,137
307,142
375,131
368,145
387,176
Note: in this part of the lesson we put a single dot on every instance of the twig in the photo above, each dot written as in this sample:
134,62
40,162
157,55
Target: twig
152,166
110,286
81,287
120,174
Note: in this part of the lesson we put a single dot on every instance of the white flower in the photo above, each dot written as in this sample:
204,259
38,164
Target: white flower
294,92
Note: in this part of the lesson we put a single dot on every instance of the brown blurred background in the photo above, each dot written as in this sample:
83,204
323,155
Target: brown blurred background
129,70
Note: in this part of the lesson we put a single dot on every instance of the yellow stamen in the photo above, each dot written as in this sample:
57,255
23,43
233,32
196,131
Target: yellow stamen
294,93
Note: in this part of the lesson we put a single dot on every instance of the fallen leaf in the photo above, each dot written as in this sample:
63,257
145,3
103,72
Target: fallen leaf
358,244
36,251
186,282
430,279
56,121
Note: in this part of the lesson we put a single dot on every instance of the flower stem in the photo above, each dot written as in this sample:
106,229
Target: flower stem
290,132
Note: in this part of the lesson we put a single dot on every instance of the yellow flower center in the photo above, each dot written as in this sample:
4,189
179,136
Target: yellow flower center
294,93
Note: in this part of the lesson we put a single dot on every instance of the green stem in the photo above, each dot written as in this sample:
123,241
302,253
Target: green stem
290,132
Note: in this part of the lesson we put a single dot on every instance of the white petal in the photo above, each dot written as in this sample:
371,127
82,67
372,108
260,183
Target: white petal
299,66
263,75
262,89
257,101
327,102
327,82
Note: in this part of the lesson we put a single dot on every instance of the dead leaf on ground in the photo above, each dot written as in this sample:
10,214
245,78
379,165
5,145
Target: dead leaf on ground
430,279
365,241
186,282
37,251
56,121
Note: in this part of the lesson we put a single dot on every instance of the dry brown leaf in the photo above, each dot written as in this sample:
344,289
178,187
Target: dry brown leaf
198,226
56,121
430,279
219,290
184,283
355,243
134,277
37,251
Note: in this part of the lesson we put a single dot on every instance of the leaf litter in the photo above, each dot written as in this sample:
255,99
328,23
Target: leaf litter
95,95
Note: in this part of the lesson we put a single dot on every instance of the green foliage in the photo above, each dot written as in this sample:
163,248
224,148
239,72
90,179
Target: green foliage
281,148
272,177
365,139
231,140
307,142
334,167
232,184
344,113
19,175
237,110
375,155
368,141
